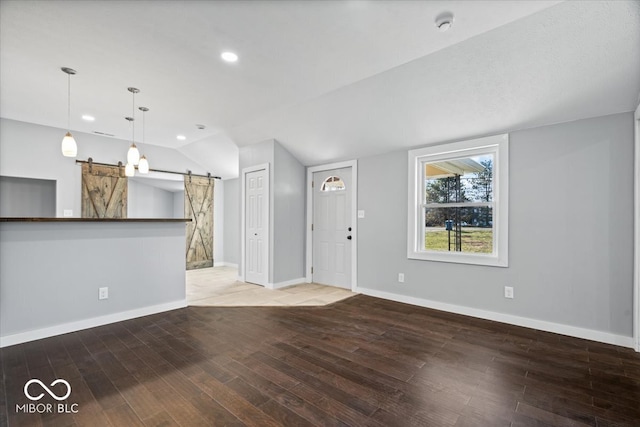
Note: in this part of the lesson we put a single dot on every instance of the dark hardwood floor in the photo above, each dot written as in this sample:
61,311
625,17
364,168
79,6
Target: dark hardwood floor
359,362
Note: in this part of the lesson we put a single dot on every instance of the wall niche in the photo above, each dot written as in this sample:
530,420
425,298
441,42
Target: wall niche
27,197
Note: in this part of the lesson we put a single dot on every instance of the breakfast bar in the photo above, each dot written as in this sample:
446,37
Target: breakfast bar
64,274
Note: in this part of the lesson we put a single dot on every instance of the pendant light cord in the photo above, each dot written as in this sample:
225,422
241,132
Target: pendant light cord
133,116
69,102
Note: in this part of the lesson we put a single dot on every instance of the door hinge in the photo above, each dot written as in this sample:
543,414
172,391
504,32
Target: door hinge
311,270
312,184
311,227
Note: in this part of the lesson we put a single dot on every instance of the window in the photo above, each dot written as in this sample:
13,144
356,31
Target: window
333,183
458,202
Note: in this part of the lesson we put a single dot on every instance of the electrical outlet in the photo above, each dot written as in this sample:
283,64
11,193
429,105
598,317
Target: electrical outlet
508,292
103,293
360,214
401,277
68,212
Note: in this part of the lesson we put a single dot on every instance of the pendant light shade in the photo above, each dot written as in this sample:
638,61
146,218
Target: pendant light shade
69,146
133,155
143,166
129,169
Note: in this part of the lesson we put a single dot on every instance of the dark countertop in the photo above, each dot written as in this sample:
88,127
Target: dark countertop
62,219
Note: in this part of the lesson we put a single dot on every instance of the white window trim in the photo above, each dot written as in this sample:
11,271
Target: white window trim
499,146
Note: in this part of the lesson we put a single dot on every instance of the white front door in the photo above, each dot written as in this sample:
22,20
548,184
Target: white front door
332,228
256,227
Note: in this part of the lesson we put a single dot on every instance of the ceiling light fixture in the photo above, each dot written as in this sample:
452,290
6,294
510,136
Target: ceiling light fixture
133,155
444,21
69,146
143,166
88,118
129,170
181,137
229,56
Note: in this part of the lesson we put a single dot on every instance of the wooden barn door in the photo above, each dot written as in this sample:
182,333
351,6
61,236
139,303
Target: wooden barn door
198,205
104,192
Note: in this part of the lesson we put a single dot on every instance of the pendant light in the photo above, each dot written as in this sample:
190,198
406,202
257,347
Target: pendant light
69,146
130,169
133,155
143,166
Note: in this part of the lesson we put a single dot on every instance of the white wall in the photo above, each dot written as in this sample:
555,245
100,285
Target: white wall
33,151
289,220
141,263
178,204
232,221
570,231
286,202
147,201
218,222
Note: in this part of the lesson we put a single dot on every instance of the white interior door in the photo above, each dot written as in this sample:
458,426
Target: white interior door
332,228
256,227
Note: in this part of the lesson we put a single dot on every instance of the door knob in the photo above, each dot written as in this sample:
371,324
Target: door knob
349,228
349,237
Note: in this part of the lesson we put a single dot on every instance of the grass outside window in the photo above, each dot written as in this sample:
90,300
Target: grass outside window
474,239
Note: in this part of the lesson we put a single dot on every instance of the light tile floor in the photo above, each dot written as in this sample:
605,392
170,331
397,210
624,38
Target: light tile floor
218,286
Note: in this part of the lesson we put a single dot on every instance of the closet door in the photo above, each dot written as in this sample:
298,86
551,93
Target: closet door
256,225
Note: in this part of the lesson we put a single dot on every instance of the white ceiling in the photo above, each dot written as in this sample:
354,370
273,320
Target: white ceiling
330,80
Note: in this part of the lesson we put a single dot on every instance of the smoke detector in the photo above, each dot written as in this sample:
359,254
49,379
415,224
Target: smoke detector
444,21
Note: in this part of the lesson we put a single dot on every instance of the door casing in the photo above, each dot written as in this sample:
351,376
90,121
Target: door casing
353,164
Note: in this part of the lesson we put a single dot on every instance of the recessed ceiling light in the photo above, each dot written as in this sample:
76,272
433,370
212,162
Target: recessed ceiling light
88,118
181,137
229,56
444,21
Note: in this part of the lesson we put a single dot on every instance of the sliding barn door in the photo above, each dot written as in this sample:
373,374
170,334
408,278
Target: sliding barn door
198,205
104,192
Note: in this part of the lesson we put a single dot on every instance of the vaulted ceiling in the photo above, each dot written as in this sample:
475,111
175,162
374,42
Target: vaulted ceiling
330,80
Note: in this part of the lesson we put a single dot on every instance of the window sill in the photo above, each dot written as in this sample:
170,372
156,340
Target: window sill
460,258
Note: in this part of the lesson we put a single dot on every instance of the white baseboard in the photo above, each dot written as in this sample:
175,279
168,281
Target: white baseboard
79,325
225,264
286,283
526,322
